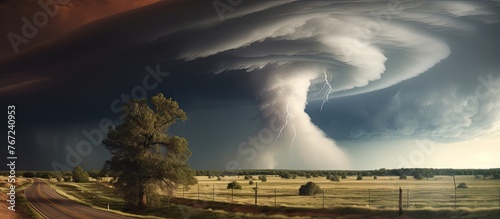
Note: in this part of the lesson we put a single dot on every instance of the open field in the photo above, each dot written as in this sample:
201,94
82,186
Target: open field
437,192
432,198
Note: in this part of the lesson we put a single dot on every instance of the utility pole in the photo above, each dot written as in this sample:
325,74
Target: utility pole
400,201
323,198
455,184
256,194
369,197
274,197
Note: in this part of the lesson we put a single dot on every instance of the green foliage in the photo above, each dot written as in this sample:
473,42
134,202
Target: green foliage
94,173
402,176
308,175
29,174
234,185
79,175
263,178
418,176
335,178
360,177
344,176
144,158
309,189
67,179
462,185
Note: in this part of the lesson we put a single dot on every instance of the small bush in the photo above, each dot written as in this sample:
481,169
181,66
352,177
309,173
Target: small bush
418,176
248,177
309,189
29,174
335,178
462,185
234,185
374,177
344,176
360,177
67,179
250,182
402,176
263,178
218,178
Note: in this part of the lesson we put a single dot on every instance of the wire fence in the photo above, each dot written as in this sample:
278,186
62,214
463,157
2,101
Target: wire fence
347,197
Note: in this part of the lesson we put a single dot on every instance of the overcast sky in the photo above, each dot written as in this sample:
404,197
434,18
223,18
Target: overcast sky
265,84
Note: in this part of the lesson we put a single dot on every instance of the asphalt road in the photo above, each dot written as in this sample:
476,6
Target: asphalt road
54,206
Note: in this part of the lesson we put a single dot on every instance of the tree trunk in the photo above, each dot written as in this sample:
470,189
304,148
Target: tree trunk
143,199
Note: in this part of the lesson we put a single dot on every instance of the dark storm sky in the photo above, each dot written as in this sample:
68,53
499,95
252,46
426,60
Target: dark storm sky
426,71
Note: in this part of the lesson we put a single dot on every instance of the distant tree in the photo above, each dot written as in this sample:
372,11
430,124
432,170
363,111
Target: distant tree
308,175
144,157
67,179
360,177
496,176
29,174
250,182
285,175
263,178
59,176
335,178
462,185
344,176
309,189
374,177
248,177
94,173
79,175
418,176
402,176
234,185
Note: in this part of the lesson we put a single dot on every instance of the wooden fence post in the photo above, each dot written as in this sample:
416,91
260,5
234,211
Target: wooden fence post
400,201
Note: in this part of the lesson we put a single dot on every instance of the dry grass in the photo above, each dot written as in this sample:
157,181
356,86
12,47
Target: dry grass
437,192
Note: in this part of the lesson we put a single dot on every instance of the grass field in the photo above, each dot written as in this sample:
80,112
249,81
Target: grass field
429,198
437,192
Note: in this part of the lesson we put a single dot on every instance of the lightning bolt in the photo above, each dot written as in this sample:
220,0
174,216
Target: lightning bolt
286,114
327,94
293,140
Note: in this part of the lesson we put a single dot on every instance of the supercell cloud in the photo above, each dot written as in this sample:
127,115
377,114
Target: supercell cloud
287,55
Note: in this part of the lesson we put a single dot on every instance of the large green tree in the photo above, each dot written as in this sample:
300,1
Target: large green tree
144,157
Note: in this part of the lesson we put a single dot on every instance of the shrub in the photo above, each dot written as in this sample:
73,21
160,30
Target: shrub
234,185
335,178
67,179
308,175
374,177
250,182
344,176
309,188
360,177
418,176
248,177
263,178
402,176
462,185
29,174
218,178
79,175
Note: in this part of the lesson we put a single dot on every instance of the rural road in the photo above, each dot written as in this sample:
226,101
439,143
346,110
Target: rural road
54,206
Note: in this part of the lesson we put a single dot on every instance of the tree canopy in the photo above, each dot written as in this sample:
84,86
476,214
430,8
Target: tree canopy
144,157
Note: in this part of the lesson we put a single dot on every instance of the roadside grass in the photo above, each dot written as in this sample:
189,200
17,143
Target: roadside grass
23,209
